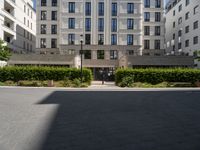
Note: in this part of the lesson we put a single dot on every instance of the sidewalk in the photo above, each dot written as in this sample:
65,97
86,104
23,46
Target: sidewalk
98,84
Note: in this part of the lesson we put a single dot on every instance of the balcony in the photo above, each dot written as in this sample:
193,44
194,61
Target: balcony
8,38
9,29
11,2
9,10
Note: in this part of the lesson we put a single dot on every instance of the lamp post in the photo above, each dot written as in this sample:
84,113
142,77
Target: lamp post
81,52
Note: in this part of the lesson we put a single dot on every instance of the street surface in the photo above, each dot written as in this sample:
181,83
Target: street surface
99,119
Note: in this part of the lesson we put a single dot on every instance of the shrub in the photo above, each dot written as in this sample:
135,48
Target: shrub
43,73
84,85
127,81
158,75
66,82
76,83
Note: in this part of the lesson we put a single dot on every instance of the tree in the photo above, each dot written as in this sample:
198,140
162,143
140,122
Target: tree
4,51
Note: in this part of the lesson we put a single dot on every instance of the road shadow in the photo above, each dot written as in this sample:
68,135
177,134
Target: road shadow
124,121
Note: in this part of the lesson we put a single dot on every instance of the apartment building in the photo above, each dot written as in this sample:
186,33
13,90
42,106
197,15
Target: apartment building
110,29
153,27
182,27
18,25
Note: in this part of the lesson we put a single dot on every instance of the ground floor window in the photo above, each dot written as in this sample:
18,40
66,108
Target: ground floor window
130,52
113,54
100,54
87,54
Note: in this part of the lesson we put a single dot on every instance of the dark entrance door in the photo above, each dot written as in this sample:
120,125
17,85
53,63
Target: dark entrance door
104,73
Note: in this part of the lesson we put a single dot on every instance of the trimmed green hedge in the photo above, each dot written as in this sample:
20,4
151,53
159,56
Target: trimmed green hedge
14,73
158,75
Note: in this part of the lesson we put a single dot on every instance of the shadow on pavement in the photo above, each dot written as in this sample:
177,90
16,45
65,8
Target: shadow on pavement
124,121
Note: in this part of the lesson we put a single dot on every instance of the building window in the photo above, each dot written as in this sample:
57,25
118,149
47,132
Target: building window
113,54
130,8
130,23
114,9
174,24
24,33
174,35
157,3
71,7
43,15
130,39
157,16
101,24
87,24
180,8
146,30
157,44
53,29
173,48
100,39
101,8
146,16
27,47
147,3
114,25
54,2
53,43
24,8
180,45
71,24
130,52
28,11
174,12
87,39
187,29
42,43
88,8
24,44
71,51
180,33
71,39
43,3
100,54
196,9
195,25
87,54
157,30
187,43
195,40
54,15
187,16
187,2
114,39
43,29
180,20
27,35
146,44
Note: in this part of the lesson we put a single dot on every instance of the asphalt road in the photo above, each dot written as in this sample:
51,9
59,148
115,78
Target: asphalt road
56,119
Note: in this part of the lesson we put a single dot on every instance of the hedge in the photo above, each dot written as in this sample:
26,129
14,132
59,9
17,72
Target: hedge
14,73
158,75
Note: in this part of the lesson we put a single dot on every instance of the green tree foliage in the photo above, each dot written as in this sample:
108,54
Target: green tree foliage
4,51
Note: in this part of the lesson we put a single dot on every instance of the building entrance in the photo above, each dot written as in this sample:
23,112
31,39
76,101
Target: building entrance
106,74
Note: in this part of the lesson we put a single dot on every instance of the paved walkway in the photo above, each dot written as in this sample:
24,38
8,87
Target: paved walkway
98,84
